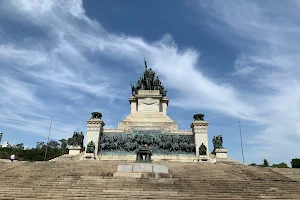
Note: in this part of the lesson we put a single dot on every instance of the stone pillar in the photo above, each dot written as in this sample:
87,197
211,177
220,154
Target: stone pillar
164,105
133,105
199,129
94,130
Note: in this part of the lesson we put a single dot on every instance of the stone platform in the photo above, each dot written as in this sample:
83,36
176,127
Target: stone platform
139,170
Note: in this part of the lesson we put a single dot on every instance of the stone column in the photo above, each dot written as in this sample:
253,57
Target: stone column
133,105
94,130
199,129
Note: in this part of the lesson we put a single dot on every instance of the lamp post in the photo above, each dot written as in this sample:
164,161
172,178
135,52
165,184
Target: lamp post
241,142
48,139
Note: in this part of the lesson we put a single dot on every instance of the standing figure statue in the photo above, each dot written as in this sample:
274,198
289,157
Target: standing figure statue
156,84
133,89
151,79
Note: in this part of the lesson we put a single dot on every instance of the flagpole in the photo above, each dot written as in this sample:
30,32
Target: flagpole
241,142
48,139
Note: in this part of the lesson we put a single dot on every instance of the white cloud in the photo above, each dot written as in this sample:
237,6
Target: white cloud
270,60
70,36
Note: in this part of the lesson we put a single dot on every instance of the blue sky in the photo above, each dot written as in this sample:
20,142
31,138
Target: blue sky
233,60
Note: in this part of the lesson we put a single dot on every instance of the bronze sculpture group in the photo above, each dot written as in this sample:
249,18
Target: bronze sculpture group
76,140
96,115
217,142
148,82
198,117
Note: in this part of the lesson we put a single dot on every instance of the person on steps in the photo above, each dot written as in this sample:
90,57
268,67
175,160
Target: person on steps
12,157
214,160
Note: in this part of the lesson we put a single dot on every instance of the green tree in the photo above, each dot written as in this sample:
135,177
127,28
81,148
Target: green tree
253,164
280,165
19,146
63,146
295,163
53,144
40,145
265,163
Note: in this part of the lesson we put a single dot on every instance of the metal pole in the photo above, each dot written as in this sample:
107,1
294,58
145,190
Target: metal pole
48,140
241,142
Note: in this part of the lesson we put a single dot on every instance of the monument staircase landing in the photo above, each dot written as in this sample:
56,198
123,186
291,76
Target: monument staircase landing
93,180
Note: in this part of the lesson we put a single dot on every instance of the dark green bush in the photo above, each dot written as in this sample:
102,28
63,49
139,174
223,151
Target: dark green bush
280,165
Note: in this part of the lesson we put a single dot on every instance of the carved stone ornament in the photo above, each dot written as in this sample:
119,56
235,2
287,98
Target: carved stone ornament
148,101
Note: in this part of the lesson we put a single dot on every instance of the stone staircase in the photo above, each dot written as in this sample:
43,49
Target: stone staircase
93,180
67,157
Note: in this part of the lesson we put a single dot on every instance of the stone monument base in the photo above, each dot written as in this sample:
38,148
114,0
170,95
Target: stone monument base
89,156
74,150
221,153
142,170
205,159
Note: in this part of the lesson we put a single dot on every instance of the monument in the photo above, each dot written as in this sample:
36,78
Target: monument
75,143
148,123
219,151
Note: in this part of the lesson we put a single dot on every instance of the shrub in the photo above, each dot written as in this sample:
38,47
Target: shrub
280,165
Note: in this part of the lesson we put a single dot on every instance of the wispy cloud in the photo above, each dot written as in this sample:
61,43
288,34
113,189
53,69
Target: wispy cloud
55,71
266,34
61,58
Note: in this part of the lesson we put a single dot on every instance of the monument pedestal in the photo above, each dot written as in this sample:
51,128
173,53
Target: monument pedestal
202,158
199,129
89,156
74,150
138,170
221,153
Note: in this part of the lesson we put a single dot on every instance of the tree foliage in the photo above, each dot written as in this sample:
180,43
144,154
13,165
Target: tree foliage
265,163
280,165
295,163
54,149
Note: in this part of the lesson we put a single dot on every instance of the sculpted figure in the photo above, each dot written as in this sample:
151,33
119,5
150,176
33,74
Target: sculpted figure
90,147
96,115
202,150
148,82
133,89
76,140
156,84
198,117
218,142
151,78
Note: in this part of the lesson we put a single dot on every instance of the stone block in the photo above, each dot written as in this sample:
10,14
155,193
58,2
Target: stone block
160,169
142,168
221,153
74,150
125,168
128,174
